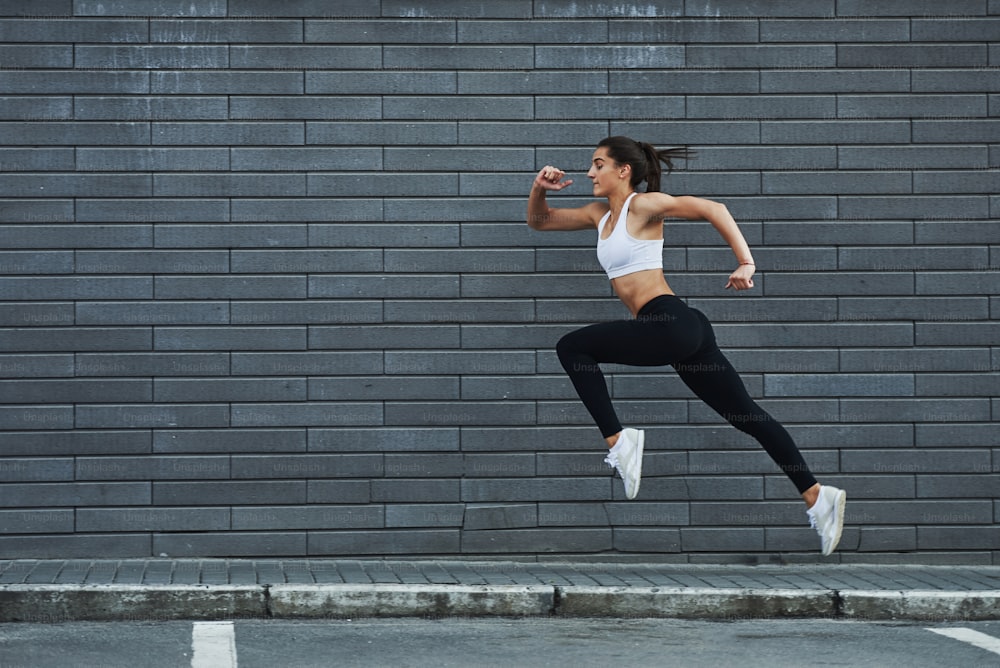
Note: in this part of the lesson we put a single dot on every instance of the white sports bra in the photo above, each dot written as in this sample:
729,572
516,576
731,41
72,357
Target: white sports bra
621,253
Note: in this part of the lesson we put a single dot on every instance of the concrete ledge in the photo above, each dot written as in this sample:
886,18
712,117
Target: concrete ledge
920,605
56,603
694,602
59,603
399,600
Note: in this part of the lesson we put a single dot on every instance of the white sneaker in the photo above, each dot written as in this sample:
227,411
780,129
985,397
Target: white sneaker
626,456
827,516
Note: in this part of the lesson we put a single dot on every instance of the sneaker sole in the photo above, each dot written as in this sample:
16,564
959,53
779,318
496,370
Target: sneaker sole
840,504
640,442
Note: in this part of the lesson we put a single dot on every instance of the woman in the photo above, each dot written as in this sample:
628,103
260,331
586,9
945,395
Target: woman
665,330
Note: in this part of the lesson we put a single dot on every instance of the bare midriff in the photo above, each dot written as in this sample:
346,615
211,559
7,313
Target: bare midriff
639,288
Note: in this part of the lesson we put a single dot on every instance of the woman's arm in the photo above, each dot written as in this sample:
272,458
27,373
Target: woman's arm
542,217
658,206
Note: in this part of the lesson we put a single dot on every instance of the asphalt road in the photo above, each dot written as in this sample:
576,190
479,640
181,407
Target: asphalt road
474,643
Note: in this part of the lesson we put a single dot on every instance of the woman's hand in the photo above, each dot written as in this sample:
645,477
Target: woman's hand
551,178
742,278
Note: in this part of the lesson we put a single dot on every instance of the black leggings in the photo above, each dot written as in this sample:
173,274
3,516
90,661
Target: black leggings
667,331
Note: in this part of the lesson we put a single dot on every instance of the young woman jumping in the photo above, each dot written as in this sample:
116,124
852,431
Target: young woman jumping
664,331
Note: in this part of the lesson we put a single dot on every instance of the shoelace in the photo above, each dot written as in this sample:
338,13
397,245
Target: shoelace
612,461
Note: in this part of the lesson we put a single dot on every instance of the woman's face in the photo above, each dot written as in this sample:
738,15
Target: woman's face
604,172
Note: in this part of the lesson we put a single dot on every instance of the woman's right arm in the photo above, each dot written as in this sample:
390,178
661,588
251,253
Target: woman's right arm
542,217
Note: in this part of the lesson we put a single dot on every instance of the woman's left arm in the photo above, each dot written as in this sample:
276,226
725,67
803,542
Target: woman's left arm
695,208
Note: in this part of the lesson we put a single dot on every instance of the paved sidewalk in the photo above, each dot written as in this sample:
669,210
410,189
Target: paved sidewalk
148,589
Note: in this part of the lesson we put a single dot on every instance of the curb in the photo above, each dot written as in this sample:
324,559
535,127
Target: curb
63,603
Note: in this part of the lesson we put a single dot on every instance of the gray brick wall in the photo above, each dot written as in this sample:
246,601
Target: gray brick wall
266,287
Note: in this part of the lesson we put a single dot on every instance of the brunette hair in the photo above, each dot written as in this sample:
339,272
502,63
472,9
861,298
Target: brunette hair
644,159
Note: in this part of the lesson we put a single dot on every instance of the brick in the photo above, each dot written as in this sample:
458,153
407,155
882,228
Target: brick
386,389
201,31
463,57
955,333
82,546
426,515
148,211
13,495
183,82
76,339
853,283
34,109
159,262
22,262
925,359
308,312
415,491
533,82
954,182
836,132
35,160
36,521
383,286
695,82
618,107
840,80
916,9
306,363
35,366
835,30
231,440
911,106
463,362
230,338
912,55
373,185
224,389
881,309
35,469
354,31
762,56
427,414
457,108
487,490
298,159
173,57
111,160
398,133
536,540
647,540
151,313
313,209
843,385
684,31
943,80
73,391
312,414
722,540
228,185
225,492
62,133
243,544
954,132
72,185
375,83
936,435
230,287
152,364
305,57
451,312
308,517
23,56
148,8
235,133
818,183
916,410
73,30
957,538
958,385
912,157
530,32
383,439
311,8
70,82
956,486
36,417
151,519
921,208
148,416
422,541
599,57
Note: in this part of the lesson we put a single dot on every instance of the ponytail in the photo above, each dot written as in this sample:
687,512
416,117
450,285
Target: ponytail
644,159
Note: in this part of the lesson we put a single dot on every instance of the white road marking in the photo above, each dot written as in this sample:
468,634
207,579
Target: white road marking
980,640
213,645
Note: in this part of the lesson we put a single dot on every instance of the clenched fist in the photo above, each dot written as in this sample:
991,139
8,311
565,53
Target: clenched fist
551,178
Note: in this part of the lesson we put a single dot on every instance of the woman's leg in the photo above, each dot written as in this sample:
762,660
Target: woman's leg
714,380
655,339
